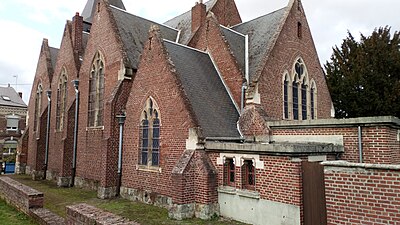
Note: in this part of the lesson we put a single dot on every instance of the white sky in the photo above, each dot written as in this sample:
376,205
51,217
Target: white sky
25,23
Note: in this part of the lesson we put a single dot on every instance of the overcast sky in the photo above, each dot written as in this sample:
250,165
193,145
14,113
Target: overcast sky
24,24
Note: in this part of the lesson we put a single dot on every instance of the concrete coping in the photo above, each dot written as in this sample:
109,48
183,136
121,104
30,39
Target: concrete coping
21,187
360,165
351,122
275,148
241,192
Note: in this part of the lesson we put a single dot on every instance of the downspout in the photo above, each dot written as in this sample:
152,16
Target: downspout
360,144
242,97
121,120
46,156
76,85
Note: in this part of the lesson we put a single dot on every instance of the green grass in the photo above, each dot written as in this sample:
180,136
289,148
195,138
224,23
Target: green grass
55,199
11,216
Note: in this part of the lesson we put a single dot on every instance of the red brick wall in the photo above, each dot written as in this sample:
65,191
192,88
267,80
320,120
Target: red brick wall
156,78
287,49
380,143
93,142
279,181
43,75
226,12
59,143
362,196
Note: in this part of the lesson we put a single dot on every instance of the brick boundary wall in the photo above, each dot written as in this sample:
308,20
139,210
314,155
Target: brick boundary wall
359,193
19,195
86,214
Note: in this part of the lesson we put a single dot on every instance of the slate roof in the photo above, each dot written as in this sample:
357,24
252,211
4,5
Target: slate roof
134,30
53,56
262,32
237,45
214,109
91,6
183,23
15,100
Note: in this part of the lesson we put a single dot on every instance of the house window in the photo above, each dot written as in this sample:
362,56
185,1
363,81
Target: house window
61,100
38,105
12,122
248,174
304,101
150,134
229,172
96,92
286,97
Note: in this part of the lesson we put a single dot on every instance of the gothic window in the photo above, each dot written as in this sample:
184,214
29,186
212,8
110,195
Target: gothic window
248,174
150,134
300,91
295,92
96,92
229,172
286,96
303,101
61,100
38,105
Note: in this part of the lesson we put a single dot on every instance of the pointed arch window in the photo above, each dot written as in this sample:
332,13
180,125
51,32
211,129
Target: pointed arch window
248,175
38,106
303,101
96,92
150,134
295,92
286,96
61,100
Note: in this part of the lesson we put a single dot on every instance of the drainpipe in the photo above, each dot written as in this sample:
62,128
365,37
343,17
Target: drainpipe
76,85
121,120
46,156
360,144
242,97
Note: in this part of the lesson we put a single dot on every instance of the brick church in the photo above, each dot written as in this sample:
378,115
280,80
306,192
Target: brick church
205,114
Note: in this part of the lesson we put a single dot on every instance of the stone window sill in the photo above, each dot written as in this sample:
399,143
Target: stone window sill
240,192
94,128
153,169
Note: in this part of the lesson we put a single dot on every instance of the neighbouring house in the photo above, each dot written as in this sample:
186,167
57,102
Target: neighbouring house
222,117
13,113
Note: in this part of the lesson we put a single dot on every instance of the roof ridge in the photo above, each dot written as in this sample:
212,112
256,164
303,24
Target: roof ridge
212,5
157,23
259,17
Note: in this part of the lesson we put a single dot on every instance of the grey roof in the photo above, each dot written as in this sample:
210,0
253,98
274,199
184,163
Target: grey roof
134,30
183,23
237,45
15,100
214,109
91,5
262,32
53,56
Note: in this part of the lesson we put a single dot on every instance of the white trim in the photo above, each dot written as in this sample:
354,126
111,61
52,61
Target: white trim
234,31
178,36
246,57
223,82
179,44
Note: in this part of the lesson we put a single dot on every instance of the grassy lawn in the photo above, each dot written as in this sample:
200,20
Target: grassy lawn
55,199
11,216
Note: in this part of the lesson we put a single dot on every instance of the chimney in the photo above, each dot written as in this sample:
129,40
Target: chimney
77,29
198,15
20,94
